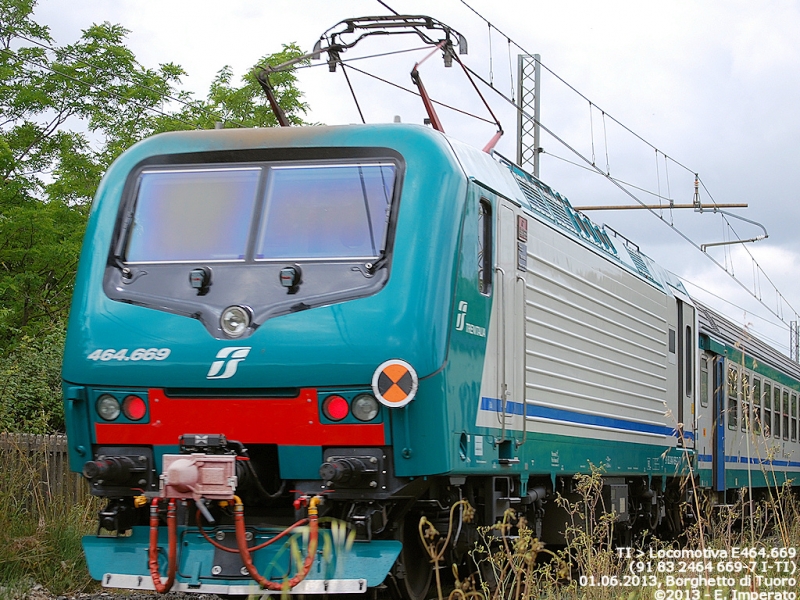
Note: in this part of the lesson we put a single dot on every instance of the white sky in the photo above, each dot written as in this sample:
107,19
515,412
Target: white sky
712,83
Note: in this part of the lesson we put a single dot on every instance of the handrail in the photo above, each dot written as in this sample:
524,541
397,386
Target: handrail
504,384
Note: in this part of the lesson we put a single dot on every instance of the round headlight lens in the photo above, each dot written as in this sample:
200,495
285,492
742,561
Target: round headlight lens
365,407
134,408
107,407
235,320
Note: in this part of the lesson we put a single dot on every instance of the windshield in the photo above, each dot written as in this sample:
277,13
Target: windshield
328,211
312,211
197,214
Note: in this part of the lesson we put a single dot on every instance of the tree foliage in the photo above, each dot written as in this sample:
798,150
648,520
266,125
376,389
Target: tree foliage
66,112
246,105
30,383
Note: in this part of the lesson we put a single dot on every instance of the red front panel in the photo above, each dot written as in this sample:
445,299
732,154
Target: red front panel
283,421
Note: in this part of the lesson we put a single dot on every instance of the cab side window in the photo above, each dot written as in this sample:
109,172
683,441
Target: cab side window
485,247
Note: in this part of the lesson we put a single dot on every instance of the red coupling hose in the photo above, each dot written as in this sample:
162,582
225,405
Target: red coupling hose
172,535
244,551
270,541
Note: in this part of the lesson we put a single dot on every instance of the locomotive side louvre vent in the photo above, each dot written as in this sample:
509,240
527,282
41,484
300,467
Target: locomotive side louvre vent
556,208
546,202
641,266
534,196
559,211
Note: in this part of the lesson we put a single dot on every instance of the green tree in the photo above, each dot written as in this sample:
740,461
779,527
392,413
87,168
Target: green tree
66,112
242,106
30,383
50,98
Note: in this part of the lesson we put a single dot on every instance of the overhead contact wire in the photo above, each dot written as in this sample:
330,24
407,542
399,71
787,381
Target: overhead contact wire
627,192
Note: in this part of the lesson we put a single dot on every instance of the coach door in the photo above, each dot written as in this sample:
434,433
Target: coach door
511,292
718,455
704,411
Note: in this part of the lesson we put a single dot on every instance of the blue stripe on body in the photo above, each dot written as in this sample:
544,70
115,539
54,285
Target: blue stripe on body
753,460
707,458
569,416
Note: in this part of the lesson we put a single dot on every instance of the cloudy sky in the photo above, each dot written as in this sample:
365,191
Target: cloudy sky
711,84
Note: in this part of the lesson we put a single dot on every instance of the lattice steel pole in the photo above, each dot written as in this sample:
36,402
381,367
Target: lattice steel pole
794,341
529,74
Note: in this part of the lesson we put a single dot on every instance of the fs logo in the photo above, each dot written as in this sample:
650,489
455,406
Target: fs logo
461,318
227,363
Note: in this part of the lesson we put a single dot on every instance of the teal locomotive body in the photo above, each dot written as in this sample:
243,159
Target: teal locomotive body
366,323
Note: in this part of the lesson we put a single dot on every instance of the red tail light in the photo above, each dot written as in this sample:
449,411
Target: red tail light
335,408
134,408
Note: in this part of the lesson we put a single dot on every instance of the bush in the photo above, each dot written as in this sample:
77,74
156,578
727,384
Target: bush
30,383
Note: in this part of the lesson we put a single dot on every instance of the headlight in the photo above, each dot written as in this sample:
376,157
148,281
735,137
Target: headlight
107,407
235,320
364,407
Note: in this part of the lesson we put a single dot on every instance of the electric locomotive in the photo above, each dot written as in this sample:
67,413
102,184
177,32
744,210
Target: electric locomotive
276,331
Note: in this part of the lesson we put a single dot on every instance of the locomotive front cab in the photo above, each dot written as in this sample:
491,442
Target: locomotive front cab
233,243
252,324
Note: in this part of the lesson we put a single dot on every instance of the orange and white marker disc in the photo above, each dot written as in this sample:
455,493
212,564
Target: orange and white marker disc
395,383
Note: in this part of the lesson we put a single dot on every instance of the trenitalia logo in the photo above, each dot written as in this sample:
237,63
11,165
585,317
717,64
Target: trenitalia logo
462,315
463,325
227,362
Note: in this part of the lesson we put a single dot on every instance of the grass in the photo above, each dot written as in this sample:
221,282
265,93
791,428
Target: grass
511,564
40,543
40,531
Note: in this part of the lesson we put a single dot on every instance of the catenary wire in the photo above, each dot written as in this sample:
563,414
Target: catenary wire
570,86
628,192
643,140
781,324
607,173
442,104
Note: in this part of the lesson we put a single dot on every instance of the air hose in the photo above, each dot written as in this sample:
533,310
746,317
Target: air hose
241,541
244,551
270,541
172,535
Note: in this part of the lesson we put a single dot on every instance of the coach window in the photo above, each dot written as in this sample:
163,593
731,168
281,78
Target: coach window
745,395
794,417
484,246
776,406
756,405
733,392
767,408
704,382
786,414
689,360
